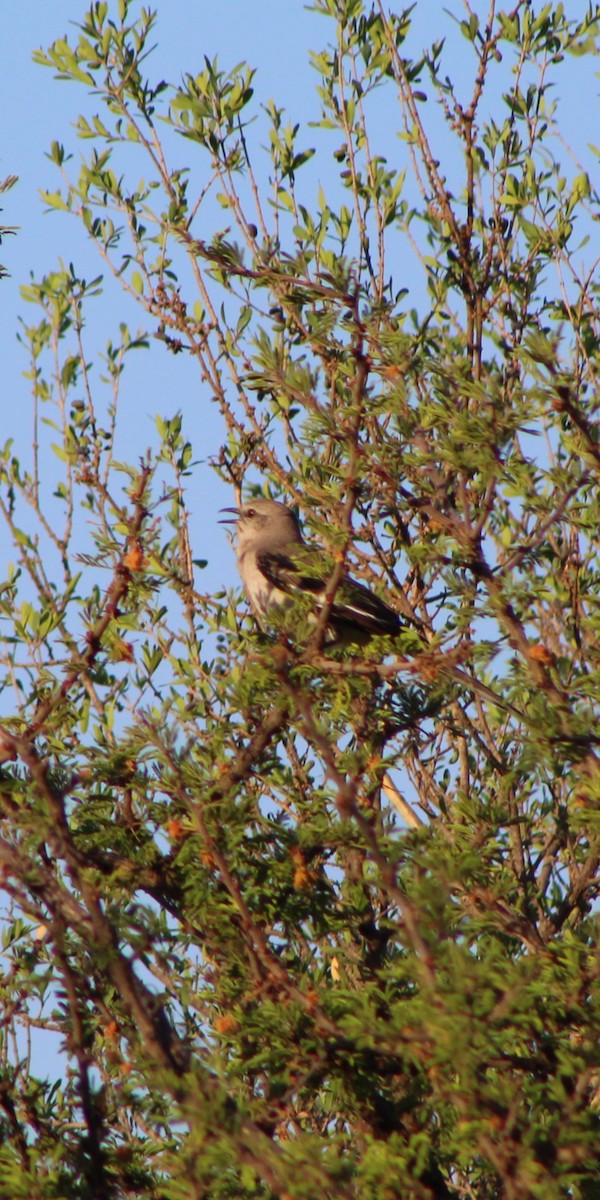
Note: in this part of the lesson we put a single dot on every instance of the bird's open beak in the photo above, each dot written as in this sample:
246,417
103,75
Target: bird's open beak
229,520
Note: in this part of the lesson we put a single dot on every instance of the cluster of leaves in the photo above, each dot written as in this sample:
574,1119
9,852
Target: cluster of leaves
265,984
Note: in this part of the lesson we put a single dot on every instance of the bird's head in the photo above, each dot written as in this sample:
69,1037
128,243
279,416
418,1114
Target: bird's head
263,525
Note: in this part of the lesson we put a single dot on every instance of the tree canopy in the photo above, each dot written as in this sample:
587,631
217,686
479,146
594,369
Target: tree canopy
308,921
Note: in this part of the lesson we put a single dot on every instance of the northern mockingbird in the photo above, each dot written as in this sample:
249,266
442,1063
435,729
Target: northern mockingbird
276,565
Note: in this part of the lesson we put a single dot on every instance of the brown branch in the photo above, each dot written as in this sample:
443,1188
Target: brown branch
116,593
401,805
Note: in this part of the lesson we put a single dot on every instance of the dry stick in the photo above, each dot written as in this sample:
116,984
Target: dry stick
400,804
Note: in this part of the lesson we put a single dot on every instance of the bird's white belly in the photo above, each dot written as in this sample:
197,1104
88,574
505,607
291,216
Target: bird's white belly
266,596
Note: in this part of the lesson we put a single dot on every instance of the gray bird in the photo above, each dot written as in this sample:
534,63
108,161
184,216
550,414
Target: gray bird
276,565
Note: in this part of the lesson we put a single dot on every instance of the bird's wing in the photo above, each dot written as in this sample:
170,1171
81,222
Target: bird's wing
292,570
300,569
356,604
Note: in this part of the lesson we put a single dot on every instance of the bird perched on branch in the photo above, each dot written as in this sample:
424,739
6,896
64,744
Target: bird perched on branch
276,565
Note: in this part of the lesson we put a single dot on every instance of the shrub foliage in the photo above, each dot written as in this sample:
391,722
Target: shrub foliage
305,923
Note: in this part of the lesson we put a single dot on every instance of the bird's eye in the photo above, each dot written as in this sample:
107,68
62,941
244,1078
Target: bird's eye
250,512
